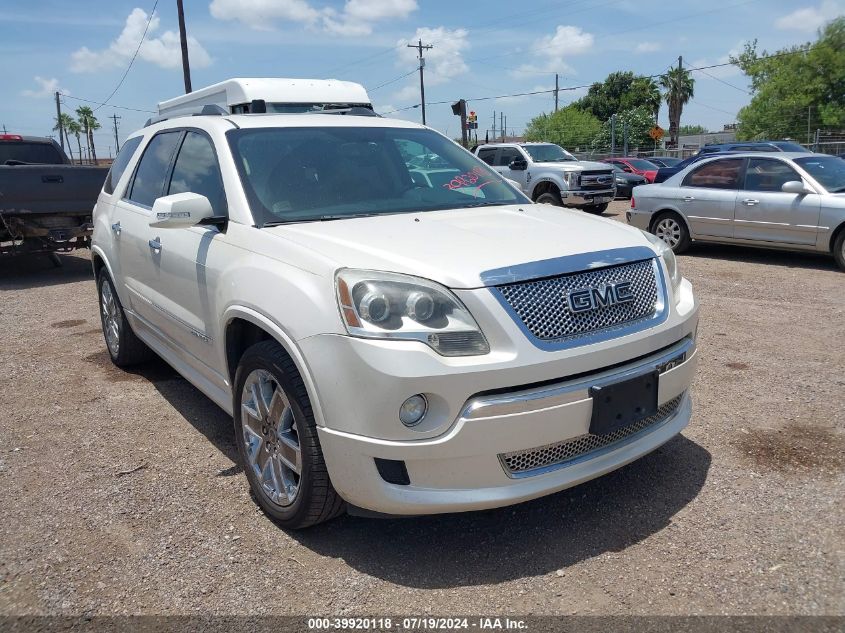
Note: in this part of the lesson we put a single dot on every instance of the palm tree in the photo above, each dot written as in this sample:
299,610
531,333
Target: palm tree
679,90
74,128
62,128
89,124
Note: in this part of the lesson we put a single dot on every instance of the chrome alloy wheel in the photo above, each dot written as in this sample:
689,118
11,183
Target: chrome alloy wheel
669,231
271,437
111,318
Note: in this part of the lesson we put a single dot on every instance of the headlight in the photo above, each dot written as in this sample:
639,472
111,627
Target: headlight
571,179
384,305
668,259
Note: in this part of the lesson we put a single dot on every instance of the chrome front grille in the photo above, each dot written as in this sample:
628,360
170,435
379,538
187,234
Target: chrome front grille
541,305
597,179
532,460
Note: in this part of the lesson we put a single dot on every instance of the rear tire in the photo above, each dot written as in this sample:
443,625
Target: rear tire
125,349
549,197
596,209
839,250
670,228
276,437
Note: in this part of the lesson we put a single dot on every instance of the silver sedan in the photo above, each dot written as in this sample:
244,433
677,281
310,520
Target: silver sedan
793,201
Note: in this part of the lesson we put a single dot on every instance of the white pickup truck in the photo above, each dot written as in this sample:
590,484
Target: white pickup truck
549,174
386,338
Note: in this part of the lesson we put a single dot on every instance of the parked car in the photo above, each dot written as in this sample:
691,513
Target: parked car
549,174
664,173
395,345
753,146
45,202
664,161
785,200
625,182
639,166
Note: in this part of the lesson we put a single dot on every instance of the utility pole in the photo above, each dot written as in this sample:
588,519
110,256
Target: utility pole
677,103
186,67
613,134
624,138
557,88
114,118
502,125
808,124
420,47
494,126
58,120
505,129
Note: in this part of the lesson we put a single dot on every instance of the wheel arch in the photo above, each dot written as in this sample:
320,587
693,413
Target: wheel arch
243,327
543,185
835,235
658,213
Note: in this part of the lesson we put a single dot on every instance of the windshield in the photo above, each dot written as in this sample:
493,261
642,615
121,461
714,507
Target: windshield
829,171
642,165
548,153
302,174
668,161
44,153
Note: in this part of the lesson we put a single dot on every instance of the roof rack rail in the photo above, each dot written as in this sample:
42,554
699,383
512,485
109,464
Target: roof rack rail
353,111
206,110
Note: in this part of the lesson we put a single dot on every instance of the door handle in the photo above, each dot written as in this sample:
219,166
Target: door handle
115,228
750,202
52,178
688,198
155,245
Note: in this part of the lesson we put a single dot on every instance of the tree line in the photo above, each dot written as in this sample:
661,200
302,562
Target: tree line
793,92
84,124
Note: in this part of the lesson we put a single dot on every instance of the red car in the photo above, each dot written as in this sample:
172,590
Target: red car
639,166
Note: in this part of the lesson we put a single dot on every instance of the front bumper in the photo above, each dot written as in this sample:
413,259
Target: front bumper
587,197
463,469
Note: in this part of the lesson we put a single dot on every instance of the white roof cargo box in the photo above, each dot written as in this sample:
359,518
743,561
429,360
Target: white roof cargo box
280,96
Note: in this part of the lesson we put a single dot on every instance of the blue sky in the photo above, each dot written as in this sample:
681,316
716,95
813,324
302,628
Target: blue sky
481,49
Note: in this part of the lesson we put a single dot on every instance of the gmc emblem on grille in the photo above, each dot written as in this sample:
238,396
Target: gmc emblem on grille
586,299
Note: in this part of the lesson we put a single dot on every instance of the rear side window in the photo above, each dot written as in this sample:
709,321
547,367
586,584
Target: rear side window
120,163
152,170
196,170
719,174
27,152
765,174
487,155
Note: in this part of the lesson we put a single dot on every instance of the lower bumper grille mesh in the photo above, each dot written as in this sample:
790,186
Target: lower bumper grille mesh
525,461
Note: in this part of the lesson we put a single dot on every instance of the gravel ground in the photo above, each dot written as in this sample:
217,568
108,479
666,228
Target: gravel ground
120,491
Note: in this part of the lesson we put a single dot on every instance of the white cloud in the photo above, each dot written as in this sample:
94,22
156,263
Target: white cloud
647,47
443,63
46,88
356,18
163,51
809,19
551,51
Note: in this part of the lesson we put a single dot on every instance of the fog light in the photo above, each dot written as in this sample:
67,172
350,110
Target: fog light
413,410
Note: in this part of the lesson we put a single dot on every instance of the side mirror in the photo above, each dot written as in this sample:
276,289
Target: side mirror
518,164
795,186
180,211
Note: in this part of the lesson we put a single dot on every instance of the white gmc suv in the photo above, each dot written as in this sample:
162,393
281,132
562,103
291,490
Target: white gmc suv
393,327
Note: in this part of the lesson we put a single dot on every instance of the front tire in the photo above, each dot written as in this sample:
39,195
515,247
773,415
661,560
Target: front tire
277,440
839,250
125,349
670,228
550,197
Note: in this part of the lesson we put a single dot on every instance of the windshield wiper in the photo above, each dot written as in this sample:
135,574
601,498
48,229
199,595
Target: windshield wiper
472,205
321,218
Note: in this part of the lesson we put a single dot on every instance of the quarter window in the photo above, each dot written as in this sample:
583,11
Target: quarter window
151,174
119,165
718,174
196,170
765,174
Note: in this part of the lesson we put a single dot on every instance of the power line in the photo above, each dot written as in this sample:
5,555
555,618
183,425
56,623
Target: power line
394,80
101,103
131,61
724,82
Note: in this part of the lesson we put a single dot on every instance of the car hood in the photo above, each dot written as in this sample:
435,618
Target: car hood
581,165
454,247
